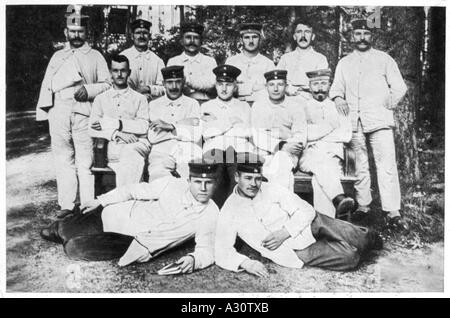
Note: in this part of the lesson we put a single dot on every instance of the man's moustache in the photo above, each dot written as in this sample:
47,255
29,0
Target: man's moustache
363,42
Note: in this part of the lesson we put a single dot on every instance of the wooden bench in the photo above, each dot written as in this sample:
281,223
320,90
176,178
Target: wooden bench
105,179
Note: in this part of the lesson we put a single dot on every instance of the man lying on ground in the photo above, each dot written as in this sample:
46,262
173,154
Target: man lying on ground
284,228
140,221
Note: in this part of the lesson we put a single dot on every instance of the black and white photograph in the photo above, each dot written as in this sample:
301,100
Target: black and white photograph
243,149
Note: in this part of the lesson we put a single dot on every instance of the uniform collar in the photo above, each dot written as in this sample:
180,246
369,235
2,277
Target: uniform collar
119,92
282,105
225,105
137,54
252,60
303,52
195,58
363,54
240,199
177,102
85,48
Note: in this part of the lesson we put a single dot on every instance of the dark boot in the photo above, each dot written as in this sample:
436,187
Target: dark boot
51,234
344,205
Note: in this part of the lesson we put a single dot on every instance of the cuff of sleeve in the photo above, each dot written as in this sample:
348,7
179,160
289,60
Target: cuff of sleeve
333,96
135,253
90,91
237,263
109,123
105,199
292,229
196,263
114,135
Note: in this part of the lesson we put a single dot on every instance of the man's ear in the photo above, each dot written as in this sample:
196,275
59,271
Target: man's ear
236,176
66,32
313,37
235,88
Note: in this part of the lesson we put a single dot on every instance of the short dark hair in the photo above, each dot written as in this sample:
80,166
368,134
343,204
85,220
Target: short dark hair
119,58
303,21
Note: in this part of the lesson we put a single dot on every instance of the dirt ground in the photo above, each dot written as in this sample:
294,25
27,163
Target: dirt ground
35,265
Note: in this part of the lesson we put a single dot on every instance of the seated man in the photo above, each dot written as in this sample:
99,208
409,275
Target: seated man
327,131
141,221
175,132
279,129
284,228
121,115
226,128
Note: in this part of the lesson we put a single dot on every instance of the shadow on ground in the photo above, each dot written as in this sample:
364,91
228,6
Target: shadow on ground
25,135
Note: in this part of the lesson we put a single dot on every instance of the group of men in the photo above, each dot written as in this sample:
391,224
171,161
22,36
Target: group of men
265,124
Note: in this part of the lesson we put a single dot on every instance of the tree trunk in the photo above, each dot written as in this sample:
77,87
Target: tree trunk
181,14
338,30
288,30
435,74
409,24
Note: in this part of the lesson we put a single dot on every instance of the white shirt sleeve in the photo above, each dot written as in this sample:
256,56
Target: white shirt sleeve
205,239
139,191
226,233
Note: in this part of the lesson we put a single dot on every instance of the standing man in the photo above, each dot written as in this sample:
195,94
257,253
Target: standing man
368,85
327,132
121,115
197,66
303,59
226,128
175,133
141,221
283,228
145,77
279,129
253,65
74,77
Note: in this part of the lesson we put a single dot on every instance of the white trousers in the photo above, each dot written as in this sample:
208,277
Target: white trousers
326,169
72,149
128,160
383,147
172,155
